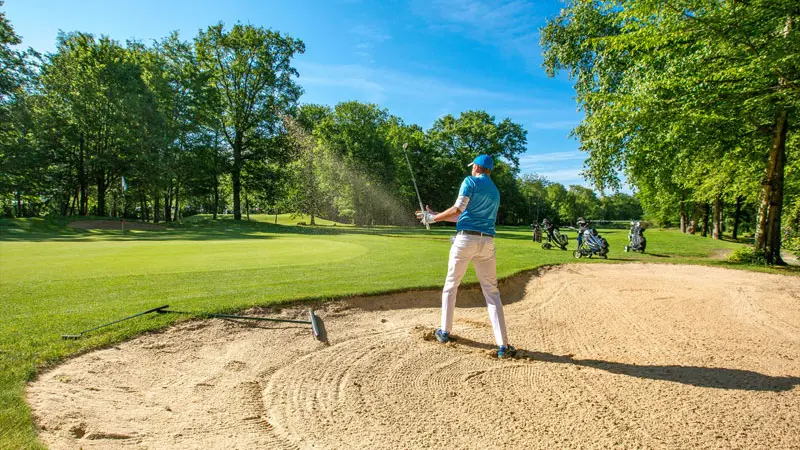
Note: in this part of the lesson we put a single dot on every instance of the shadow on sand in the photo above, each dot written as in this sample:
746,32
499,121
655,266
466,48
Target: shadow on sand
708,377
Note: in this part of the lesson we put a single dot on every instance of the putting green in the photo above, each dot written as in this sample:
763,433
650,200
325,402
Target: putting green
69,260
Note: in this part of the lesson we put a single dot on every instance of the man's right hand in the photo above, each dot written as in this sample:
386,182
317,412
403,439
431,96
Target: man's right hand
426,217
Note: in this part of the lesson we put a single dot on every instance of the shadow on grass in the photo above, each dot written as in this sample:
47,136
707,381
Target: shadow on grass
709,377
58,230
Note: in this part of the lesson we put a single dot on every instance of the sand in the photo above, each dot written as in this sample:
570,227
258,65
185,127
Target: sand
626,356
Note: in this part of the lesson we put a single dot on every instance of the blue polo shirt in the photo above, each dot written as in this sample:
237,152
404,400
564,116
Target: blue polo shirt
484,200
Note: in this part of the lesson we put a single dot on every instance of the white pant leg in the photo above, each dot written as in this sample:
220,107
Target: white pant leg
486,269
461,252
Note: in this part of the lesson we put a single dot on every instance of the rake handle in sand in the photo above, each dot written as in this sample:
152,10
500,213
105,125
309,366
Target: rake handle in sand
312,318
76,336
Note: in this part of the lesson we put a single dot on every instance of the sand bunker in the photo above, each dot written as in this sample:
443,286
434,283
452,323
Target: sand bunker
637,356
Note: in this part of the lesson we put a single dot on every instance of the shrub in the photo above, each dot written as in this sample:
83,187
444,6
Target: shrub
791,240
748,255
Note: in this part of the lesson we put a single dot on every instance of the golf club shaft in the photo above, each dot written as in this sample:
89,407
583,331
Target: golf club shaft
316,322
268,319
421,207
231,316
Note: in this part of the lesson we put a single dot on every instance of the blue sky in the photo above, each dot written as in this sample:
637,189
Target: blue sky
420,59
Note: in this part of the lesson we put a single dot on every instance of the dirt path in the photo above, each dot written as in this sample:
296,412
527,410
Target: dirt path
632,356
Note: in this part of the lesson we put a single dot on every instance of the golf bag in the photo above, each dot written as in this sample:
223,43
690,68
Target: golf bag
537,233
583,225
636,239
554,236
592,244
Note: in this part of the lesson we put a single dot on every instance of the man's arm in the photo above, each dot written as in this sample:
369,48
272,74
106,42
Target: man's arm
449,215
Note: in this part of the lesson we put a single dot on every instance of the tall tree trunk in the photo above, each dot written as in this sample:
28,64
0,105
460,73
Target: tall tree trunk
705,220
737,216
246,205
19,203
167,206
216,195
156,206
64,204
101,194
74,202
767,236
772,241
312,217
717,219
237,184
768,228
683,216
177,215
82,180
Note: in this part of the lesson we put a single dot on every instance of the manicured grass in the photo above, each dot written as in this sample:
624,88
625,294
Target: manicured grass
56,280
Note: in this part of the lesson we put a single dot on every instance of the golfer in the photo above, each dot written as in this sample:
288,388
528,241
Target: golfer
474,212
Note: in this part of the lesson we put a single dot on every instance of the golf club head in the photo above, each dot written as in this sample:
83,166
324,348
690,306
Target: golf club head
70,336
405,145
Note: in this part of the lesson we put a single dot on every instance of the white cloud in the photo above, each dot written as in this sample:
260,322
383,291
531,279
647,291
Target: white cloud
370,36
377,84
564,176
507,24
370,33
552,157
555,125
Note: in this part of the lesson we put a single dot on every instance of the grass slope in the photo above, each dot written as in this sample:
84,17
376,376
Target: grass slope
58,280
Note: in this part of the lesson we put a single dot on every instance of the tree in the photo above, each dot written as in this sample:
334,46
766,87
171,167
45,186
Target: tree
476,132
98,86
251,69
355,141
14,68
455,142
683,84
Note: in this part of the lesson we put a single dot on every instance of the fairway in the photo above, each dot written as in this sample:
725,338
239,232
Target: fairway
634,356
57,261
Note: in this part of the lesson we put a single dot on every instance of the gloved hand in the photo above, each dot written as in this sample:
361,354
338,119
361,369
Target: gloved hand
426,217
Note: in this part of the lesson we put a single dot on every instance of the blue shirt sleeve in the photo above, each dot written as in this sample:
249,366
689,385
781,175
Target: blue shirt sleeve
467,188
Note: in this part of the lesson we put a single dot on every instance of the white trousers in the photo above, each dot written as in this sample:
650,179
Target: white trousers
480,250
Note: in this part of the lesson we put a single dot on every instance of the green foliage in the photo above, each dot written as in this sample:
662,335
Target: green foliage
791,239
211,124
683,99
748,255
14,64
250,68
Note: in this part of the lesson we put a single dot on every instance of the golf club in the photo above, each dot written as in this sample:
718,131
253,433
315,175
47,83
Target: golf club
317,326
76,336
421,208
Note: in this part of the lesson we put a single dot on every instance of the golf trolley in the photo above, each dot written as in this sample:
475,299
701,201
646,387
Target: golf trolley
592,244
636,239
554,236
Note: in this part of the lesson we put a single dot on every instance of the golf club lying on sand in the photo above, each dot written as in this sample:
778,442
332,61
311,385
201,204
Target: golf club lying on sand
316,322
76,336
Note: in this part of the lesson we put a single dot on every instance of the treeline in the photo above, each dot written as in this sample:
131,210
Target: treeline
215,125
695,102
